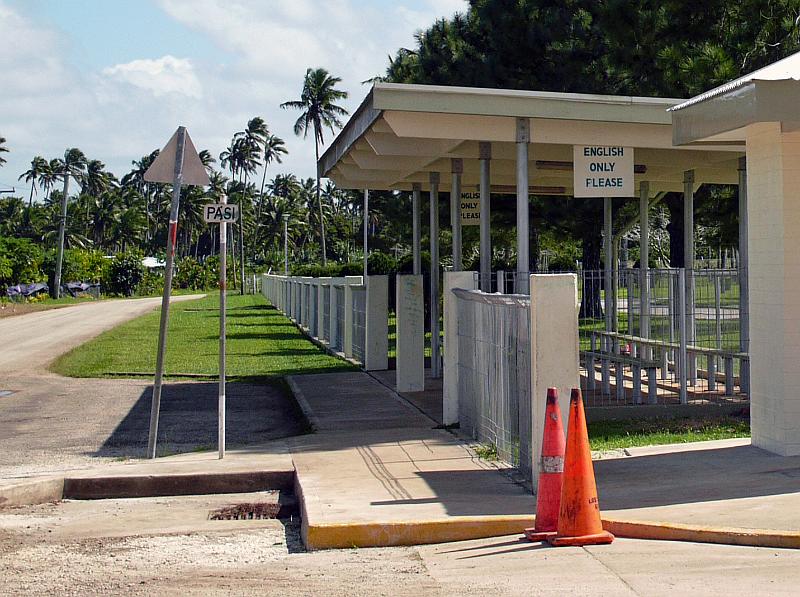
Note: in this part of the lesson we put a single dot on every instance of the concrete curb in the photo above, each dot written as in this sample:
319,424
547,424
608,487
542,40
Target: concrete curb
406,533
671,531
29,493
308,413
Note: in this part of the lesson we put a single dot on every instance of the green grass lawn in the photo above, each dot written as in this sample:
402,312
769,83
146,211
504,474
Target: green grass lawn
262,344
609,435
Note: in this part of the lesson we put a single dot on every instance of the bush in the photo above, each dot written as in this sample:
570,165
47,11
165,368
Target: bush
20,261
193,275
381,264
125,273
152,282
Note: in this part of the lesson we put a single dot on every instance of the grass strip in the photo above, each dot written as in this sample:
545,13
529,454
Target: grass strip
610,435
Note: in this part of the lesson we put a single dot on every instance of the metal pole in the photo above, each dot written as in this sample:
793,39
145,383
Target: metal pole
523,206
744,292
688,258
457,168
177,181
62,225
485,155
241,240
684,396
644,256
434,232
285,245
609,263
415,220
223,299
366,230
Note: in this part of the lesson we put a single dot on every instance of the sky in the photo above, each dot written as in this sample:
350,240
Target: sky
116,77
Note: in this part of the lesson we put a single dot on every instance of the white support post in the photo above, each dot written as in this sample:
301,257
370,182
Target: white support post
688,257
554,349
608,235
457,169
644,256
436,367
744,293
452,280
410,333
485,156
416,228
366,229
523,206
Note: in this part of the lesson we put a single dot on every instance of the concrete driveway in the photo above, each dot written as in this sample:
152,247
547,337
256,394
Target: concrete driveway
50,423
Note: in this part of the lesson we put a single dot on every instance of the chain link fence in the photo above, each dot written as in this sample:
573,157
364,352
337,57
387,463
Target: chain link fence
494,373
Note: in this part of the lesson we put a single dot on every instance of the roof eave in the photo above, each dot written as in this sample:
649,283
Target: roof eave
363,118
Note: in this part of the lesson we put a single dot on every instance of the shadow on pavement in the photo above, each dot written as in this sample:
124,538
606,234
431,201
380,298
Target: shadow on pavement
188,419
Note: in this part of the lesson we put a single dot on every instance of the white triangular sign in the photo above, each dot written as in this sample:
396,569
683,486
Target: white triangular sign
163,168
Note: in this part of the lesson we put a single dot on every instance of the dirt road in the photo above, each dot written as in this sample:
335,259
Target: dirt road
30,342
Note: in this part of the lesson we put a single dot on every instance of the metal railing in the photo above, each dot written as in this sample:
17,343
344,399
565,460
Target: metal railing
359,322
325,332
338,343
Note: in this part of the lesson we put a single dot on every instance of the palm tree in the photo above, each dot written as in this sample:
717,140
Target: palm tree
317,101
274,150
72,166
3,149
33,175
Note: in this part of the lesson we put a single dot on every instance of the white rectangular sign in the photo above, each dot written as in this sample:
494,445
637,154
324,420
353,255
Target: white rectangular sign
603,171
217,213
471,209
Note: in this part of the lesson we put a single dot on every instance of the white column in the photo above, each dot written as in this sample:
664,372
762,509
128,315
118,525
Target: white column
450,386
523,206
608,235
485,156
366,228
376,348
457,169
415,219
688,260
773,272
744,307
554,349
434,298
644,256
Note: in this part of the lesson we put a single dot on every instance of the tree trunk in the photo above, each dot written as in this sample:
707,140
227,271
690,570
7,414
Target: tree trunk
674,202
591,305
319,203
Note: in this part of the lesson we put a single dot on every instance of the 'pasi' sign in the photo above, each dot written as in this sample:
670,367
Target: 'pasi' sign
603,171
217,213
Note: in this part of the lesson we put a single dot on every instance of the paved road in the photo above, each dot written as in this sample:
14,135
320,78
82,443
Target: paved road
50,423
32,341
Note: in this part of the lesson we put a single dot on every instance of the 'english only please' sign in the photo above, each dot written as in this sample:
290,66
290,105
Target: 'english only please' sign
603,171
470,209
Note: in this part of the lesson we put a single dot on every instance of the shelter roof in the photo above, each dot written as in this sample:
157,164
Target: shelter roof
401,133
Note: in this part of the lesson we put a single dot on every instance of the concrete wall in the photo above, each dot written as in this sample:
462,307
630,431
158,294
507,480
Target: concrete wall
376,350
773,180
450,382
554,349
410,334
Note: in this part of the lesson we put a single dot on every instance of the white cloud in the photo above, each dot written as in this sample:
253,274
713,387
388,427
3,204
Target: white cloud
161,76
123,111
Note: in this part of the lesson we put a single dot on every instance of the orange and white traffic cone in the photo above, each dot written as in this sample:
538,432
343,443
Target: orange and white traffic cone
579,513
551,468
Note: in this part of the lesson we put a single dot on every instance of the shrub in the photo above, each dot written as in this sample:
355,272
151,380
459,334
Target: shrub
125,273
193,275
380,263
20,261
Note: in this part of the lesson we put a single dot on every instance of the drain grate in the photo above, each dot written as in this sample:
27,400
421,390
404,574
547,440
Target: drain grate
247,511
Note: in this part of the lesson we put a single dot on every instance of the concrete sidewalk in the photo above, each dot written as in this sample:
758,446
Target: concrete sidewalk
380,473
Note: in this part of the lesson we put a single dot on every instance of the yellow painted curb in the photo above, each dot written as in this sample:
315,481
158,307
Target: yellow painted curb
392,534
670,531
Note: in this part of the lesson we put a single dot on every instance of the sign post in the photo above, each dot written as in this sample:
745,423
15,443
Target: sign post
222,214
177,164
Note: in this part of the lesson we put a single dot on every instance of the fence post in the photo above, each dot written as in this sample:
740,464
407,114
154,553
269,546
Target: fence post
629,286
682,361
376,325
718,310
347,344
450,396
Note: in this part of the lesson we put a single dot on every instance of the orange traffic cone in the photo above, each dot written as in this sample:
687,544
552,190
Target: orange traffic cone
579,514
551,468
